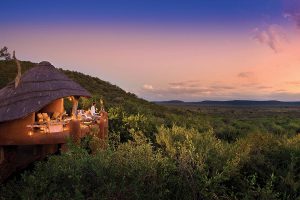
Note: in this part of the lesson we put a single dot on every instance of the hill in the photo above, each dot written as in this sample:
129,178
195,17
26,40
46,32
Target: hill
233,103
95,86
111,94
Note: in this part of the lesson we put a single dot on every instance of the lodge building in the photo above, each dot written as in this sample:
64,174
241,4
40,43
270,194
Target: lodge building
33,122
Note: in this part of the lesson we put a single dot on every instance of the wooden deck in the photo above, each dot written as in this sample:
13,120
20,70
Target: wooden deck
18,151
39,137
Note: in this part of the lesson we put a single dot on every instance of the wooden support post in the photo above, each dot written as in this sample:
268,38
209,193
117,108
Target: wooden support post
1,155
75,106
75,131
103,125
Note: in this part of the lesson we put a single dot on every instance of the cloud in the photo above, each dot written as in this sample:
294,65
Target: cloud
148,87
245,74
176,91
218,91
285,96
294,16
273,36
255,86
222,87
187,90
280,91
194,90
263,87
294,83
190,83
292,11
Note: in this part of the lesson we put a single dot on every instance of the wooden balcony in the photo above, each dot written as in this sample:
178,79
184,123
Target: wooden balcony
38,137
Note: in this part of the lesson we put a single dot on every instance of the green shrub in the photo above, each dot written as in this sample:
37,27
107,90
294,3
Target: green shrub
184,164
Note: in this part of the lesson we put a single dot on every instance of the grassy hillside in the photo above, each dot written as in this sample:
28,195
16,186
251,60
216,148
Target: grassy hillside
111,94
8,71
98,88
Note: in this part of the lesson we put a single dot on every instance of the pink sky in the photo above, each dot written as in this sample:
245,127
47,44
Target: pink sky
163,64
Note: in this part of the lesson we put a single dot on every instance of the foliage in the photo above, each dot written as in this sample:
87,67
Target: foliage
4,53
124,125
9,70
187,165
156,152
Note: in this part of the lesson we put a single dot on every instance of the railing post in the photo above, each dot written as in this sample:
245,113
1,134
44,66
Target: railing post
103,128
1,155
75,131
103,125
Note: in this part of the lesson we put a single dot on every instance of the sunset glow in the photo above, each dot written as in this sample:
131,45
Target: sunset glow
195,51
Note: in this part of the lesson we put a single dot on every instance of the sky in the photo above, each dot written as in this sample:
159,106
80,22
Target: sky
165,49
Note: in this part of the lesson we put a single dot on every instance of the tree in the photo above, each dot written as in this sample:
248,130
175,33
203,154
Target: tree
18,77
5,54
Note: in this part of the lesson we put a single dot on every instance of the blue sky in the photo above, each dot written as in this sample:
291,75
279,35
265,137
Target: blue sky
140,11
165,49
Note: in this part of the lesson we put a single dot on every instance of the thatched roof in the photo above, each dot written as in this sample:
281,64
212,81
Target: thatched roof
38,87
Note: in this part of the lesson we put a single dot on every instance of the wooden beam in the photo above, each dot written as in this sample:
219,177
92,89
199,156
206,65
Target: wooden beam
75,106
1,155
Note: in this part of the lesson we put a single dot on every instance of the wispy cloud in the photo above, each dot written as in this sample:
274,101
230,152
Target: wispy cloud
245,74
285,96
263,87
215,92
222,87
273,36
280,91
194,89
176,89
256,86
294,83
189,83
294,16
292,11
148,87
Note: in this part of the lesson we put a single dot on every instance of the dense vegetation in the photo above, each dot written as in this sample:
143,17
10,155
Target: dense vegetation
182,164
156,152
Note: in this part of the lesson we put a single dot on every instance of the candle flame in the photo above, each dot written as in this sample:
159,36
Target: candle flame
30,133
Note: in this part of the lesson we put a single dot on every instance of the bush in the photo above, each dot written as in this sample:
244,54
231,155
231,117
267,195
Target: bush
123,124
130,172
185,165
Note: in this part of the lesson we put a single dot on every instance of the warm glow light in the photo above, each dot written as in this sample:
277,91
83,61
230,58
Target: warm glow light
30,133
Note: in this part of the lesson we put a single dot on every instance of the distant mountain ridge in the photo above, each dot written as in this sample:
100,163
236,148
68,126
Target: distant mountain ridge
230,103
